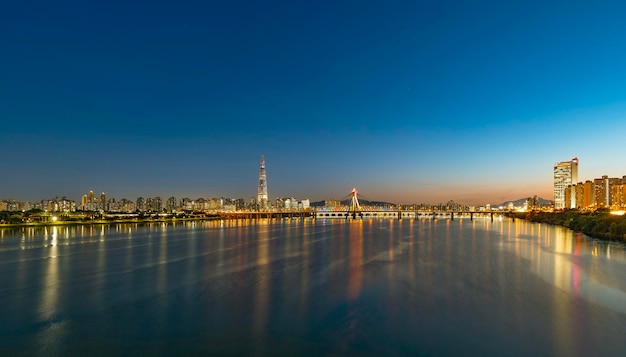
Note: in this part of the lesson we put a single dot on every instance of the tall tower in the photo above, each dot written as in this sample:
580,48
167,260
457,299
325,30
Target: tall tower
565,174
262,193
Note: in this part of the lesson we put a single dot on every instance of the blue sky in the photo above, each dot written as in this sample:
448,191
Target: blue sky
409,102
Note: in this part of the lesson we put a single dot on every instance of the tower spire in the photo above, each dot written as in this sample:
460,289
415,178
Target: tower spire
262,197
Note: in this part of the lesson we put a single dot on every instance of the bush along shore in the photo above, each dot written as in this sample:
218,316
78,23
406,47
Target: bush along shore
599,224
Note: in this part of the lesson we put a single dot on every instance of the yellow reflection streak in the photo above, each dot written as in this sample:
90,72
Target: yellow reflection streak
390,242
355,254
262,286
50,281
304,279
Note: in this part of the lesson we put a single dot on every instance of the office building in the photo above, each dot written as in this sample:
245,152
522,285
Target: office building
565,174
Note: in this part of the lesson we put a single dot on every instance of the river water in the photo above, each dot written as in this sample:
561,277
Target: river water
311,288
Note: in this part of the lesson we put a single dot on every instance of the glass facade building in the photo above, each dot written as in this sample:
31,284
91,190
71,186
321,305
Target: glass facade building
565,174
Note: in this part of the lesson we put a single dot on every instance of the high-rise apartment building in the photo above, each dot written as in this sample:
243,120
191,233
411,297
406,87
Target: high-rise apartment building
601,192
588,196
262,192
170,206
103,201
611,191
618,191
569,190
565,174
580,195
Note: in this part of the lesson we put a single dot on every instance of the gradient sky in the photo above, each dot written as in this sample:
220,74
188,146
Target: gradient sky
409,101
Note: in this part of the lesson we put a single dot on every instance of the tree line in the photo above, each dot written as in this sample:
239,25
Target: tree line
598,224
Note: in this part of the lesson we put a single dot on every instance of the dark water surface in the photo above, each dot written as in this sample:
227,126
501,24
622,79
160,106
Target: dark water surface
311,288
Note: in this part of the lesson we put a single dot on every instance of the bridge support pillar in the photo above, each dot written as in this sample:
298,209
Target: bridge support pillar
452,216
491,216
471,216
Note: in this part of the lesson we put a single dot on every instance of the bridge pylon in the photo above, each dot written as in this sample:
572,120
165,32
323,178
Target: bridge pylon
355,206
354,202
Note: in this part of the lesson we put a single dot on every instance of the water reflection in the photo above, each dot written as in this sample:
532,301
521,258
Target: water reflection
262,287
305,276
296,287
572,263
50,289
355,256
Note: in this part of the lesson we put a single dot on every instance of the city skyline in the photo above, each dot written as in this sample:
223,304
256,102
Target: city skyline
568,193
410,103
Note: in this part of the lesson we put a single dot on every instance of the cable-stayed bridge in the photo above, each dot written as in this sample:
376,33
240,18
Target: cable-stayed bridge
355,211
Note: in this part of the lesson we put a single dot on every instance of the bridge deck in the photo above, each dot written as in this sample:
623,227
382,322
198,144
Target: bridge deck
361,214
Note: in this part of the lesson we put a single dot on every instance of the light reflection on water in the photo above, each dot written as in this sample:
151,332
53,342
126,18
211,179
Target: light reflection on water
574,264
365,287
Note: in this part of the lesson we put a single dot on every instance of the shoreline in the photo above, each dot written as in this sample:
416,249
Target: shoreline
599,225
104,222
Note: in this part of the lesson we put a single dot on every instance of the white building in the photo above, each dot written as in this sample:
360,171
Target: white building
565,174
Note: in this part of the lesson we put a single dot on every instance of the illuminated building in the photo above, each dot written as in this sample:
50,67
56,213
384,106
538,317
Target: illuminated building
305,203
141,204
565,174
332,203
617,194
580,195
605,191
170,205
156,204
600,192
103,202
588,197
568,197
612,191
262,197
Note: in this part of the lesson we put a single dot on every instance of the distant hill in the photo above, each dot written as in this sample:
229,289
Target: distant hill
518,203
521,201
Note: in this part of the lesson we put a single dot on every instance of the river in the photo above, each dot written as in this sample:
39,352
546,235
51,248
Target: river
311,288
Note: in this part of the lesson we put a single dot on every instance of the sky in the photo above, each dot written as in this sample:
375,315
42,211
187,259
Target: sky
408,101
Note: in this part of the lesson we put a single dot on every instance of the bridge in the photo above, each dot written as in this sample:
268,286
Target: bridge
354,211
409,214
395,214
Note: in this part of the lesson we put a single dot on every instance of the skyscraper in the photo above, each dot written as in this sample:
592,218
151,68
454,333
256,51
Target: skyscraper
262,197
565,174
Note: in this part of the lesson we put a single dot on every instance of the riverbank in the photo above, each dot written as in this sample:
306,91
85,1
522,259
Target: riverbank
599,224
107,221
